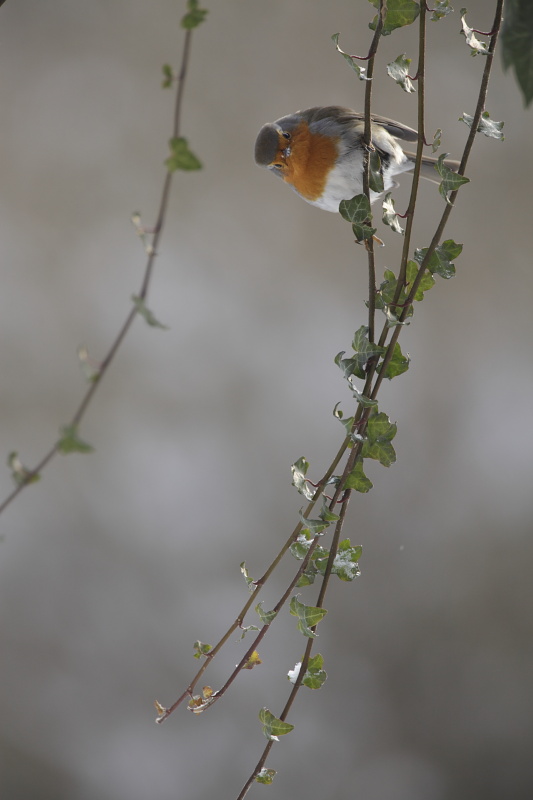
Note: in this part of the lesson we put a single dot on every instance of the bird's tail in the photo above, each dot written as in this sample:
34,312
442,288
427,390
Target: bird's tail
428,170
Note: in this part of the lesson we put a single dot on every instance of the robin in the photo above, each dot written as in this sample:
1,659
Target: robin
319,153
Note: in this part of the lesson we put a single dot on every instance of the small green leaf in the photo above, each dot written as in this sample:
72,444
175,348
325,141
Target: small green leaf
247,578
315,675
397,365
308,616
70,442
21,474
361,398
326,514
355,210
476,47
390,217
435,144
451,181
362,232
299,471
194,16
350,366
362,345
265,776
441,260
266,617
201,649
357,479
398,70
181,157
427,282
352,61
168,76
489,127
441,8
314,526
346,562
399,13
272,726
247,628
375,173
146,314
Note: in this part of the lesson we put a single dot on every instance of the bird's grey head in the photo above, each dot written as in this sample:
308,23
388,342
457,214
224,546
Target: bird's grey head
267,144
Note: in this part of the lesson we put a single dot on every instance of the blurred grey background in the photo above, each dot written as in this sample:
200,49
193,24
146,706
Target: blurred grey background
115,563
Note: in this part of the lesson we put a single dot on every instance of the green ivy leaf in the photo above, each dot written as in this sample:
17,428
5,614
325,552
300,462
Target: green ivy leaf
327,514
427,282
315,675
181,157
308,616
194,16
487,126
357,479
375,174
249,580
476,47
314,526
346,562
272,726
350,366
380,431
441,260
299,471
397,365
390,217
517,44
356,210
265,776
362,232
441,9
435,144
266,617
70,442
168,76
146,314
21,474
451,181
353,62
399,13
201,649
398,70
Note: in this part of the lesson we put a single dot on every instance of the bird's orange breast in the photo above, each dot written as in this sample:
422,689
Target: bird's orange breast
313,156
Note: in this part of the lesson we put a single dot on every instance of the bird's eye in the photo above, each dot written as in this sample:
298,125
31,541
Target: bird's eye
286,135
278,166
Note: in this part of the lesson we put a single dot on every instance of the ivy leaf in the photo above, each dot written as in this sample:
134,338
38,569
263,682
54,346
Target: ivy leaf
353,62
265,776
427,282
362,232
489,127
272,726
70,442
308,616
314,526
350,366
327,514
441,260
357,479
299,471
451,181
435,144
390,217
361,398
253,661
247,578
363,347
21,474
441,9
266,617
315,675
168,76
397,365
380,431
517,44
375,174
146,314
346,562
399,13
356,210
201,649
194,16
398,70
180,156
476,47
